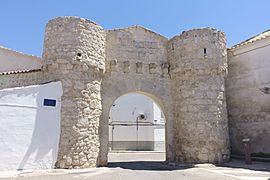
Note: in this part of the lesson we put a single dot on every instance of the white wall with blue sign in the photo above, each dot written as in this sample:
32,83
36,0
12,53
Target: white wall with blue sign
30,126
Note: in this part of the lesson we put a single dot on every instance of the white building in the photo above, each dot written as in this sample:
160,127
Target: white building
29,117
136,123
12,61
30,126
248,89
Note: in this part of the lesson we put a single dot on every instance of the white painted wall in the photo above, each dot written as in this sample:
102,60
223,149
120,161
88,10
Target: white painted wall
14,61
159,132
29,131
126,109
247,103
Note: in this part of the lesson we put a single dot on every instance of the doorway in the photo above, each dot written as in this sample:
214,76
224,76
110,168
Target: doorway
136,129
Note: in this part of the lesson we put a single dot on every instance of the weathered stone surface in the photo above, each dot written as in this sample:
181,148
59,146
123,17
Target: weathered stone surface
184,76
198,69
146,53
76,49
22,79
247,93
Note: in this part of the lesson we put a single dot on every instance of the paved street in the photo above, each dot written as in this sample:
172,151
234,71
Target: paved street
133,166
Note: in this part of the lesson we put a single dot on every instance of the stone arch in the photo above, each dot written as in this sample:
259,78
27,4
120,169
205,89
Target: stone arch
151,96
117,87
186,79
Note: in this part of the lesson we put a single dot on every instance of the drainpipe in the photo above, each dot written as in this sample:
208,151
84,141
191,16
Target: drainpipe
112,134
247,150
137,123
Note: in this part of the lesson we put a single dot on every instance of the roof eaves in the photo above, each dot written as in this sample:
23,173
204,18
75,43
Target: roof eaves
253,39
20,72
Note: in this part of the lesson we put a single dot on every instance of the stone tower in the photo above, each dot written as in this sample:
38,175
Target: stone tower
193,90
74,53
198,60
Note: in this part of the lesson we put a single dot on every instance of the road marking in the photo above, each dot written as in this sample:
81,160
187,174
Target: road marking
220,173
239,177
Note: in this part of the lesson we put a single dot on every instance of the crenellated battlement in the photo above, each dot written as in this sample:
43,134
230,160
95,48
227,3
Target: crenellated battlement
140,68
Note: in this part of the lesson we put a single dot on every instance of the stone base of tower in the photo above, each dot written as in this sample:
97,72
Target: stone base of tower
198,70
74,53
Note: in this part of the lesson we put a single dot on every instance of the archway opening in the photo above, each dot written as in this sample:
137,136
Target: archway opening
136,129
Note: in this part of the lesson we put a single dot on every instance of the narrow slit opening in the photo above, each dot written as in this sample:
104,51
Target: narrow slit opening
204,51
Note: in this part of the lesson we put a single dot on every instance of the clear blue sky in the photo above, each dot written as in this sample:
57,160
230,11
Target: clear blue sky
23,21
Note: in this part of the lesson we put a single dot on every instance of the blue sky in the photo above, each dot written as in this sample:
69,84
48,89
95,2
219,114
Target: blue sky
23,21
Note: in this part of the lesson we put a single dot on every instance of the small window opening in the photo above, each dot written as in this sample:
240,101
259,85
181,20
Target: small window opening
204,51
196,39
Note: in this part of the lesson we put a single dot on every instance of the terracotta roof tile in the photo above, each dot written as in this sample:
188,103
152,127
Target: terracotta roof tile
258,37
17,72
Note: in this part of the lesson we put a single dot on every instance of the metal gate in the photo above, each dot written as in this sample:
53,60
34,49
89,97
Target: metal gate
137,136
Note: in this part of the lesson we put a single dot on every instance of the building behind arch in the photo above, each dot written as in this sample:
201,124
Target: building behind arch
136,123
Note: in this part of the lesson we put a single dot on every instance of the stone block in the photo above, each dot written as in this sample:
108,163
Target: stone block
139,67
126,66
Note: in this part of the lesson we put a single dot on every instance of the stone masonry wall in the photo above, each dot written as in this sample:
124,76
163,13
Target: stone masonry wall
136,50
24,78
136,61
21,79
184,76
198,68
74,53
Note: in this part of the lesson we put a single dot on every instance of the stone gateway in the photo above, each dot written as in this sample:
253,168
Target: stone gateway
185,76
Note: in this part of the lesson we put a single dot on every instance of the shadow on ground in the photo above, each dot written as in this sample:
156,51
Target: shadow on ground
146,165
239,163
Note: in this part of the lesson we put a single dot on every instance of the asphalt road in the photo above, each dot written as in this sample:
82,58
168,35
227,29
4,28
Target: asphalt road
139,166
